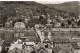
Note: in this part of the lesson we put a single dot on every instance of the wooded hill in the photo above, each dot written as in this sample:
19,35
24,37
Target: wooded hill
70,7
25,9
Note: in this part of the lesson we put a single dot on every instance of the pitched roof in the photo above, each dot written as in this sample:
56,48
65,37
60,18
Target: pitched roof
19,25
61,40
29,39
56,49
36,17
25,51
46,40
75,45
1,42
14,50
62,51
29,36
13,46
66,51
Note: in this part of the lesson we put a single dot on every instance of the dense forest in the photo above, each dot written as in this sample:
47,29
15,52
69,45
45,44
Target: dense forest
70,7
14,10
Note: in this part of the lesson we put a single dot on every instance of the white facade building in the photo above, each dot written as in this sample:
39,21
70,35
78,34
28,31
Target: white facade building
19,25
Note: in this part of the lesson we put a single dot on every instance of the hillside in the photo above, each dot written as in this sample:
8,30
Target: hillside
72,7
36,8
10,10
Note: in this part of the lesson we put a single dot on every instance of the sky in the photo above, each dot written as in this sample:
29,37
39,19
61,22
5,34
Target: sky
54,2
51,2
45,1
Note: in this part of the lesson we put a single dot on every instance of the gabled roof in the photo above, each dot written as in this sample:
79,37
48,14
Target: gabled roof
36,17
75,45
42,49
13,46
62,51
56,49
1,42
61,40
29,39
66,51
19,23
46,40
14,50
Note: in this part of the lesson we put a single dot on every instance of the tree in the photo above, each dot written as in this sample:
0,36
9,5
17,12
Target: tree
69,22
79,23
43,20
62,25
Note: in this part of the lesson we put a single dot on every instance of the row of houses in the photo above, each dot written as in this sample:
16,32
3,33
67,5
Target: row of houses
64,45
57,21
61,46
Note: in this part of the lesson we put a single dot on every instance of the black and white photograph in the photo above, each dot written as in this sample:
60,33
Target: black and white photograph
40,26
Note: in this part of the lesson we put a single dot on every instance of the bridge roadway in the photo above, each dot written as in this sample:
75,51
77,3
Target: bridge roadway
51,29
62,29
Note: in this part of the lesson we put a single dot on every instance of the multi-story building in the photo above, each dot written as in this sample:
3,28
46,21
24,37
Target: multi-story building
19,25
75,48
